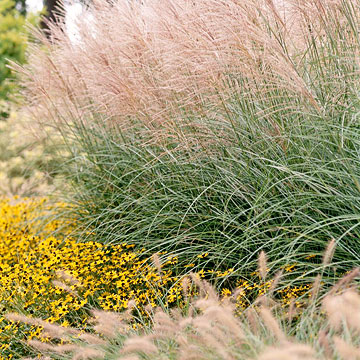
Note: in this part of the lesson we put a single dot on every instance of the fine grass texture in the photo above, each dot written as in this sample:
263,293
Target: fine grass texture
226,127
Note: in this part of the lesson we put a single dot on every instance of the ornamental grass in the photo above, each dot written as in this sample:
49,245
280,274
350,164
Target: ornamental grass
226,127
206,132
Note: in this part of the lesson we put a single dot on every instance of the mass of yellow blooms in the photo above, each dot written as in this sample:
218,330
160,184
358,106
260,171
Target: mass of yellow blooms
61,280
31,265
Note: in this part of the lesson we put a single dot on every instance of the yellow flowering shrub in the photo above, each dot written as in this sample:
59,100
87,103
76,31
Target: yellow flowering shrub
107,277
60,280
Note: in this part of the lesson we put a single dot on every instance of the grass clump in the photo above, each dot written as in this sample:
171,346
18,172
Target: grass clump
231,204
237,138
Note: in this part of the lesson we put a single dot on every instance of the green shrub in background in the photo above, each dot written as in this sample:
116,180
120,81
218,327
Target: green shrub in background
12,43
25,163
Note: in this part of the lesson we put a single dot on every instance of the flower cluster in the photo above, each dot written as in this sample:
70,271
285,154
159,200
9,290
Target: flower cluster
60,280
37,276
249,291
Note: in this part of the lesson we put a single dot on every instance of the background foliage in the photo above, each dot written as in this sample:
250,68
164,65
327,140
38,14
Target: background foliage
25,161
30,159
12,43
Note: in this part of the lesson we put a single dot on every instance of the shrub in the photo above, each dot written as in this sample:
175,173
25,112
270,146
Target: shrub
12,43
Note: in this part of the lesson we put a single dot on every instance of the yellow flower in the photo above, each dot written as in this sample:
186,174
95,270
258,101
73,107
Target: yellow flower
29,263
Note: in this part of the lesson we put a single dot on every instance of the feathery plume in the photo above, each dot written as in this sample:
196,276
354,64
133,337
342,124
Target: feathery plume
329,252
253,320
185,283
140,345
325,344
53,330
345,350
41,346
272,324
157,263
129,357
315,288
275,282
288,352
107,323
292,310
262,265
63,286
61,274
88,353
344,281
91,339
